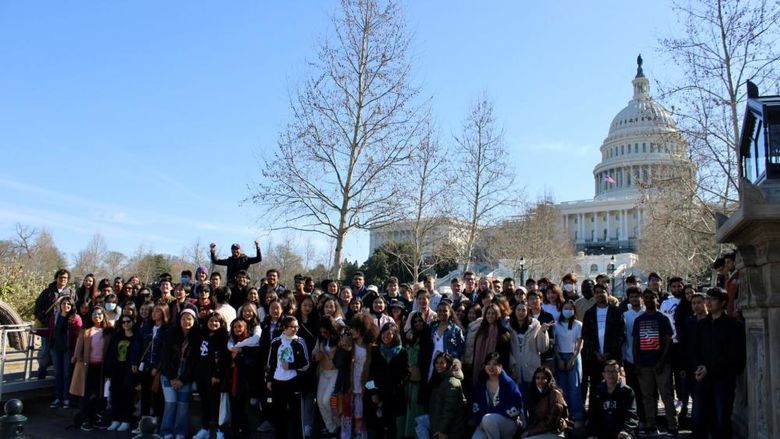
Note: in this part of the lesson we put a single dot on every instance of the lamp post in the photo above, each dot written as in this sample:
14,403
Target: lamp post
611,273
522,271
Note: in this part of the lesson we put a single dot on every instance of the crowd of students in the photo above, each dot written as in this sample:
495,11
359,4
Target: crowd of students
486,358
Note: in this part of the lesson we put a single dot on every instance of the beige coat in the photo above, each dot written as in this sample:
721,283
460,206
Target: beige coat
81,358
527,359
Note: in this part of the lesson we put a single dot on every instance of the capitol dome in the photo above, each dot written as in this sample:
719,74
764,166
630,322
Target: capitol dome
641,114
643,141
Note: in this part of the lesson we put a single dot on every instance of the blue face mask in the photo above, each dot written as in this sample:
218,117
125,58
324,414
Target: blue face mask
568,313
185,280
110,306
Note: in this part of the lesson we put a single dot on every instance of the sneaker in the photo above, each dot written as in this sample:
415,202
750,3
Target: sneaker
54,404
114,425
87,427
123,427
66,404
651,432
673,432
202,434
137,430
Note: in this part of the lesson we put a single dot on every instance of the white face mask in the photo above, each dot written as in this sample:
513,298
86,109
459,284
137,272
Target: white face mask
567,313
110,306
568,288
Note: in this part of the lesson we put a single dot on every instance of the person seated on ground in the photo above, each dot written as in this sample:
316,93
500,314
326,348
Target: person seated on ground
612,410
497,404
446,404
547,410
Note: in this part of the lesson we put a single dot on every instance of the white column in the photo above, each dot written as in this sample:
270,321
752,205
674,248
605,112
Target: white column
608,230
624,234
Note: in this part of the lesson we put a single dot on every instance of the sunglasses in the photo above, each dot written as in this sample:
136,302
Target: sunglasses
125,322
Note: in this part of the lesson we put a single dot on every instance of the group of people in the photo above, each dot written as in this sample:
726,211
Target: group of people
485,357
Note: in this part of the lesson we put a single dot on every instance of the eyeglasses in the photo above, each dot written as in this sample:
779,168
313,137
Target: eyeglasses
292,327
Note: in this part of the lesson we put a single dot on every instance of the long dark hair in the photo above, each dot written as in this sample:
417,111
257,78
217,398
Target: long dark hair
571,319
484,326
328,323
437,377
83,293
520,326
548,374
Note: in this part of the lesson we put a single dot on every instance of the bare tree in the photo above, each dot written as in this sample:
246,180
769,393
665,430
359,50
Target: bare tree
537,236
428,183
485,182
678,237
23,242
724,44
352,127
91,258
196,254
114,263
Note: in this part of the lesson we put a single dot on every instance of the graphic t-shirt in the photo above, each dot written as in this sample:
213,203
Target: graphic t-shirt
652,329
601,325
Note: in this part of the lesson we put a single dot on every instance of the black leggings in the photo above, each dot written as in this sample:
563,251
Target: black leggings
286,409
93,393
239,420
150,402
122,395
209,402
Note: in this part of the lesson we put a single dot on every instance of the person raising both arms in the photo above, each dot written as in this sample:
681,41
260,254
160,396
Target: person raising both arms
237,261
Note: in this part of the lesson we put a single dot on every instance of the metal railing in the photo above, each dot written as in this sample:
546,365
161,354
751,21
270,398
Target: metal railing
16,363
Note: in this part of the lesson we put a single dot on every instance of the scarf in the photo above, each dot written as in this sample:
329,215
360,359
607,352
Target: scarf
235,384
389,352
485,345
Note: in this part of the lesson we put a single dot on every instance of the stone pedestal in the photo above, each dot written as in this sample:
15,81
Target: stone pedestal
755,230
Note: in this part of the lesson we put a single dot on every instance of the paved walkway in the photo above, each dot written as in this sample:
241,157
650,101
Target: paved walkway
46,423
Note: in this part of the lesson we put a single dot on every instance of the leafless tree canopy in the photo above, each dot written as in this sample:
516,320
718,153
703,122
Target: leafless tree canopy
538,237
352,128
725,44
678,238
428,196
485,184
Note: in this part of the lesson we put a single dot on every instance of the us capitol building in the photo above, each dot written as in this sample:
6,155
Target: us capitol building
643,143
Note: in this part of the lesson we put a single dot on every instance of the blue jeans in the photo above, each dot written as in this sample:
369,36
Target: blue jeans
175,420
61,361
570,382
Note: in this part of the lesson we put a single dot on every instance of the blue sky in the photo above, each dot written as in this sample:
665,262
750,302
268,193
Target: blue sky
145,120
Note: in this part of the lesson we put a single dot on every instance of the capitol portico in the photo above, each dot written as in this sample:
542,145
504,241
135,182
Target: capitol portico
643,144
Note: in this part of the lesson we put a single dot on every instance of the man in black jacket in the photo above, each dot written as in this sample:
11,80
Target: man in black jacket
720,358
44,305
237,260
612,408
603,334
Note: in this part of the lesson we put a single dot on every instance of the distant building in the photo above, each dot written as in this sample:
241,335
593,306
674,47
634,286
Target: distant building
643,143
446,232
